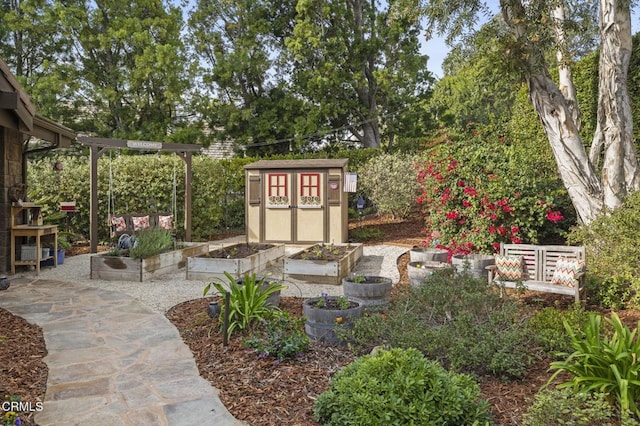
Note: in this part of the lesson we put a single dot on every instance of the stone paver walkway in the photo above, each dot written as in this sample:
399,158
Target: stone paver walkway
112,361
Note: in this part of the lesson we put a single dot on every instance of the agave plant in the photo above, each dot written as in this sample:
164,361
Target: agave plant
247,302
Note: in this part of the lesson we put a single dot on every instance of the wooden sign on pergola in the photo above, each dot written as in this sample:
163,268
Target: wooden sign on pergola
101,145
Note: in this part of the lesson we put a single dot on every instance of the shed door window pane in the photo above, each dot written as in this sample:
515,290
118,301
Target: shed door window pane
309,185
277,185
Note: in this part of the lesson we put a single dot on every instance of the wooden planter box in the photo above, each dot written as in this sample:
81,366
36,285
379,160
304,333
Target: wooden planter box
204,267
121,268
323,271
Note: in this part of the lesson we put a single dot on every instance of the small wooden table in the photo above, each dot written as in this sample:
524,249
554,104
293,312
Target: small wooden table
31,230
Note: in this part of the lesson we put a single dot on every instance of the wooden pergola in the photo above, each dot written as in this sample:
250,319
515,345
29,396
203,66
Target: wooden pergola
101,145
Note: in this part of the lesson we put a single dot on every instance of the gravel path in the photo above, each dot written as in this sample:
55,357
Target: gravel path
165,291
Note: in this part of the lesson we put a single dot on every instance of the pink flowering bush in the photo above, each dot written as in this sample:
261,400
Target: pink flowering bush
475,195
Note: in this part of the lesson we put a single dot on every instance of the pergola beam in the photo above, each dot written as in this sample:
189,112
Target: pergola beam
100,145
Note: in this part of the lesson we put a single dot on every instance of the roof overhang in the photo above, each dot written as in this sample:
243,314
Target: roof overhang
13,99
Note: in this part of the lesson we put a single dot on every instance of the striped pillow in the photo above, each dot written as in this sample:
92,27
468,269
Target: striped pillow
566,271
509,267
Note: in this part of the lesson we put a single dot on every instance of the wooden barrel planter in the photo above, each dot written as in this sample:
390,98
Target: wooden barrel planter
321,322
474,264
428,254
419,271
370,290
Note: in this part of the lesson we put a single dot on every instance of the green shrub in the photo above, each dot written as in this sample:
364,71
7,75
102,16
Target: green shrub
604,363
389,181
400,387
547,325
365,234
458,320
247,302
553,407
281,336
151,242
613,255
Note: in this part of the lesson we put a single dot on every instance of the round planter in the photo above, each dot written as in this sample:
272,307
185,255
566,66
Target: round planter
320,322
428,254
274,299
373,291
419,271
474,264
4,283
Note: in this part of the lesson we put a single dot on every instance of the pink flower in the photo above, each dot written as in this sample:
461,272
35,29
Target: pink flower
507,209
452,165
502,230
460,183
492,229
554,217
516,240
515,229
466,203
470,191
496,246
452,215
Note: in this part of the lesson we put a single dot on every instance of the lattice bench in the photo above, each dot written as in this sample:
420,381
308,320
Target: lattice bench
538,267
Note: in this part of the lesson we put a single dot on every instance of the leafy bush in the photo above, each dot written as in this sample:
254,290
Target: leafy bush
604,363
553,407
151,242
399,387
548,327
389,181
281,336
611,242
247,302
474,197
458,320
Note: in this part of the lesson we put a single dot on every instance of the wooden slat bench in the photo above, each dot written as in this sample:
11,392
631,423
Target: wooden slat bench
539,264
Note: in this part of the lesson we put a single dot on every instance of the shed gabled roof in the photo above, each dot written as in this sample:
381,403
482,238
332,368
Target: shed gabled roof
14,99
299,164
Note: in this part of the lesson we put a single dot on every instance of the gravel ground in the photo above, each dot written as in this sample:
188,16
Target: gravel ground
165,291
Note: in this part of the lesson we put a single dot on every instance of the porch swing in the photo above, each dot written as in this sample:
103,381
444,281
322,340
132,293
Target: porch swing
124,227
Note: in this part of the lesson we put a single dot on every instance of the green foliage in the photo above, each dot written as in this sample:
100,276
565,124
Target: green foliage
400,387
150,242
553,407
458,320
547,325
604,361
389,182
474,196
611,242
280,336
365,234
247,302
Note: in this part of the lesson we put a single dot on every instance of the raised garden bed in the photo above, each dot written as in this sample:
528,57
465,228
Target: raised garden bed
122,268
237,259
323,263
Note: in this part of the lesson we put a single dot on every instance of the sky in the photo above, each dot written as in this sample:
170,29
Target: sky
437,49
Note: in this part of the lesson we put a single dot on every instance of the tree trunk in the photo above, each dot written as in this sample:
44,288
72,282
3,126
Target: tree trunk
575,169
620,165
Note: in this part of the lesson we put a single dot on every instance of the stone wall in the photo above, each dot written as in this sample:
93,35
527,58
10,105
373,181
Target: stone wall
10,174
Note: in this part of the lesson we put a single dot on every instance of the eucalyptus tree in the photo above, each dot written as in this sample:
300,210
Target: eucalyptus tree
244,81
603,177
131,64
358,64
34,46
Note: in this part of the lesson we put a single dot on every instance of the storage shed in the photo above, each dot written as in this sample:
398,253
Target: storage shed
296,201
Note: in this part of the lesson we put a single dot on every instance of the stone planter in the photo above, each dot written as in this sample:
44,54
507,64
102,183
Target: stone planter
474,264
323,271
420,271
369,290
208,267
428,254
121,268
321,322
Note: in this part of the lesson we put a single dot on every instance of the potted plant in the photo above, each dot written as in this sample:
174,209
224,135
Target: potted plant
418,272
323,314
369,290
